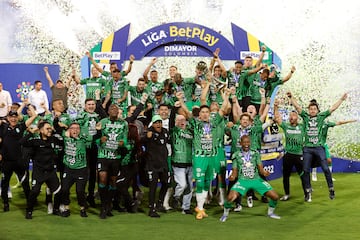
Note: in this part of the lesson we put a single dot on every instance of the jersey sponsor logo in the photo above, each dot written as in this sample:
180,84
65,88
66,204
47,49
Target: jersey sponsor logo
293,131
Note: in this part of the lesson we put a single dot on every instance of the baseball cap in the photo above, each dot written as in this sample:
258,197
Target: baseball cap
156,118
12,113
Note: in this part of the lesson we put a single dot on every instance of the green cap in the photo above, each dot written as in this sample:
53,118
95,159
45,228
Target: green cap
156,118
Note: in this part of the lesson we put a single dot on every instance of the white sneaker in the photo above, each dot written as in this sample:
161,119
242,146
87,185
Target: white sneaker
274,216
314,177
333,179
285,198
238,208
50,208
167,207
9,194
250,202
223,218
62,208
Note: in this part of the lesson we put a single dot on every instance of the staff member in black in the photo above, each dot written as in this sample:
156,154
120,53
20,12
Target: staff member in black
10,134
156,163
44,166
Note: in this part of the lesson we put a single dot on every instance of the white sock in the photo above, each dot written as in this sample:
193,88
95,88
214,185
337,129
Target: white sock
314,170
168,194
221,196
226,211
330,168
270,210
200,199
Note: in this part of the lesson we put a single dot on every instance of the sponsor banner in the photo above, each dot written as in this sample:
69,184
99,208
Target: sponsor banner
247,44
180,32
254,55
106,55
179,50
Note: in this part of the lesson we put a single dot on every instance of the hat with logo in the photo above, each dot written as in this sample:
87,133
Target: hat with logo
156,118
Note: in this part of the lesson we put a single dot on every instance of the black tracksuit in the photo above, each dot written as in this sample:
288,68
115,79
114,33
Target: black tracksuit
44,167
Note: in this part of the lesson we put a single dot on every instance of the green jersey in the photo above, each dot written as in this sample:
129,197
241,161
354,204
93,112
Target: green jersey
130,154
136,95
114,131
108,76
186,87
254,131
87,122
64,118
313,128
219,131
152,88
75,152
215,95
92,84
233,79
256,134
246,81
169,99
237,131
271,84
34,124
294,137
247,164
181,142
325,130
204,141
118,89
255,87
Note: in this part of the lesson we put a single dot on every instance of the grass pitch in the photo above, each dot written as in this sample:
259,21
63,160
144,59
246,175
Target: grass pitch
321,219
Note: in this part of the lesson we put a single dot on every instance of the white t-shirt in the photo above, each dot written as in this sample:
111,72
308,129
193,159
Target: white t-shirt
38,97
5,98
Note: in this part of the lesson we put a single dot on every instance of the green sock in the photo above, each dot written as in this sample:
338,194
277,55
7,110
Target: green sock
228,204
272,203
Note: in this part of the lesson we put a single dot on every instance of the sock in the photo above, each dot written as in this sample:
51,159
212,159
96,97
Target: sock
103,194
226,211
330,168
271,210
200,199
272,203
167,197
314,170
228,205
221,196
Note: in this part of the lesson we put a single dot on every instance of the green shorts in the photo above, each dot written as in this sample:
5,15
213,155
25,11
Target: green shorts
327,151
203,168
258,185
220,161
